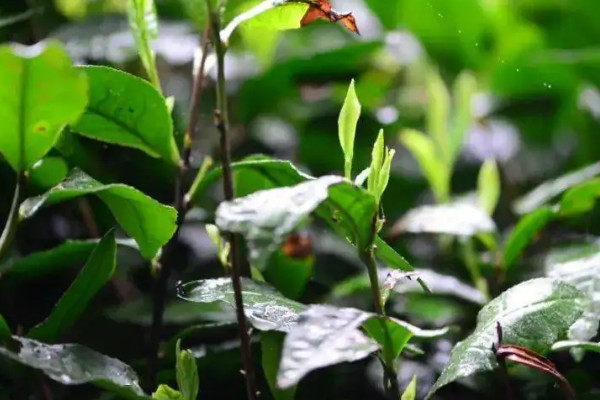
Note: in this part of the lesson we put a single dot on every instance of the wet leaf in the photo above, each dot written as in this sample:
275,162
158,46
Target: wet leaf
126,110
150,223
324,336
533,314
542,194
347,121
74,364
584,274
461,219
524,232
488,186
143,23
265,308
411,390
41,93
93,276
271,345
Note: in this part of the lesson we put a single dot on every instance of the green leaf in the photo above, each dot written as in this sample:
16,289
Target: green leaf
411,390
48,171
533,314
325,336
394,260
460,219
580,199
196,12
165,392
271,345
187,374
265,308
432,166
465,87
488,186
545,192
41,92
96,272
223,246
288,274
74,364
143,23
126,110
438,115
377,156
524,232
576,345
150,223
347,122
4,329
584,274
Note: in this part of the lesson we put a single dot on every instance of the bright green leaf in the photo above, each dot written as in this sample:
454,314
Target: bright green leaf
196,12
223,246
438,115
464,89
93,276
41,92
392,337
377,156
150,223
187,374
411,390
347,122
144,26
533,314
165,392
127,111
580,199
488,186
48,171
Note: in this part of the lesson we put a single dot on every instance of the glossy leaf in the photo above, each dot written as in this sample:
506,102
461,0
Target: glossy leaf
542,194
265,308
93,276
150,223
524,232
41,93
411,390
460,219
347,121
533,314
126,110
143,23
271,345
423,148
48,171
488,186
324,336
74,364
187,374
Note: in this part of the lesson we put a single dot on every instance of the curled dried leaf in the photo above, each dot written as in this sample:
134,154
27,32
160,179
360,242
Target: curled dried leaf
321,9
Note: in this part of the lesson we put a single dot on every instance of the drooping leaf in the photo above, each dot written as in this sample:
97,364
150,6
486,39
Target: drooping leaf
533,314
347,121
126,110
411,390
271,345
584,274
74,364
461,219
96,272
187,374
431,164
394,260
41,93
165,392
488,186
548,190
143,23
265,308
324,336
150,223
524,232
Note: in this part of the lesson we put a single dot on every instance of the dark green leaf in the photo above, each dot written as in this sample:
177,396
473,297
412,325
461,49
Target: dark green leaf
150,223
524,232
4,329
97,271
74,364
271,345
265,308
542,194
187,374
324,336
41,92
289,274
534,314
126,110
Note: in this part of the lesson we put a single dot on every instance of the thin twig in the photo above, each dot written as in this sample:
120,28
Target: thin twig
222,122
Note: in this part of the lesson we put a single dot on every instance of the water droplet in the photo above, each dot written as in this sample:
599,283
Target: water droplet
518,70
476,44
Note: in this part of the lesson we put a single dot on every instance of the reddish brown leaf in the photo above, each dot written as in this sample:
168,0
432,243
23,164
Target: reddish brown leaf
321,9
298,246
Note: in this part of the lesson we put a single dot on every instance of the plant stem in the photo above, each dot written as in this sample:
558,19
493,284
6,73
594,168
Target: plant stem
470,259
222,124
506,379
10,228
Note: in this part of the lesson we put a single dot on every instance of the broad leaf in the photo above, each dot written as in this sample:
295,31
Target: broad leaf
271,346
187,374
580,199
143,23
524,232
74,364
394,260
96,272
126,110
347,127
41,92
488,186
548,190
534,314
48,171
324,336
584,274
461,219
150,223
265,308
